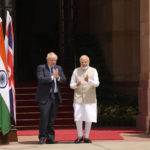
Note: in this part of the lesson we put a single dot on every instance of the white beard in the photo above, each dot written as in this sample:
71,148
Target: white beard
85,68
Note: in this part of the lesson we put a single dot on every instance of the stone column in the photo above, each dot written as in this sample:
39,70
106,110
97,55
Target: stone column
143,117
125,40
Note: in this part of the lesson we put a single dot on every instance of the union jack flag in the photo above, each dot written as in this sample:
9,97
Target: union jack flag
9,45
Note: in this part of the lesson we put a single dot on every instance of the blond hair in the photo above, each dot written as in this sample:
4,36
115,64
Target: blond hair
51,55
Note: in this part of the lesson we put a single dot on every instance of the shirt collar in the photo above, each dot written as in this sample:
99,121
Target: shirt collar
51,67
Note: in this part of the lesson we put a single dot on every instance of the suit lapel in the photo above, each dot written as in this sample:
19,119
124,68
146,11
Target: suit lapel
47,69
55,67
46,66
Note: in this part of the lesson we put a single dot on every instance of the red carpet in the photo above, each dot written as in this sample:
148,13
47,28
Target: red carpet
95,134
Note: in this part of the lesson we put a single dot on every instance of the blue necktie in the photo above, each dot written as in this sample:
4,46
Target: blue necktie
53,86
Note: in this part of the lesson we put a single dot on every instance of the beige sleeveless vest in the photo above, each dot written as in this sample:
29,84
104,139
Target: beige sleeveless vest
85,93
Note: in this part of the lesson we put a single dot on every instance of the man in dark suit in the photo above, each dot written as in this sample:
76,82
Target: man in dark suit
50,76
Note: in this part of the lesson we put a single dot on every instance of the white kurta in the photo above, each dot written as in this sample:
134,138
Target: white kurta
85,112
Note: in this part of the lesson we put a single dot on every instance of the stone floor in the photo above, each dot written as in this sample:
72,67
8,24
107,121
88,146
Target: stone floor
132,141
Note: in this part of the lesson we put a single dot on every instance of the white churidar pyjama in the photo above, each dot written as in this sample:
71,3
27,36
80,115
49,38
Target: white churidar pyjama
85,112
79,125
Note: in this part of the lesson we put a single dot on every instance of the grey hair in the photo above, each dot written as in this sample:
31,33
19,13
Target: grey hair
85,56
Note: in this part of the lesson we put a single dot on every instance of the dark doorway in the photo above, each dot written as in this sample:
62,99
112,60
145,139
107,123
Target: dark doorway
36,35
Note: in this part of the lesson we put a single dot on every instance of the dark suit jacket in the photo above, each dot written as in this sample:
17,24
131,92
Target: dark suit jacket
45,81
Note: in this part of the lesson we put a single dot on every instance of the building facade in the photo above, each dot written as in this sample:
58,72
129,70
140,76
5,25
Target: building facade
121,27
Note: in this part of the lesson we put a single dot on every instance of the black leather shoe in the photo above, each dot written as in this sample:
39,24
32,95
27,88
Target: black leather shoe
41,141
86,140
51,142
78,140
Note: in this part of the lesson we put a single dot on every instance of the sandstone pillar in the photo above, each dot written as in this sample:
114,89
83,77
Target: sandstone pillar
143,117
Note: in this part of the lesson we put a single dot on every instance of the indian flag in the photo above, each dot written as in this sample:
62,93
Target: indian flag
4,87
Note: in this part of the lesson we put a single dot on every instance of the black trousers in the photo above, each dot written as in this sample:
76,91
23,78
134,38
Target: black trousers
47,118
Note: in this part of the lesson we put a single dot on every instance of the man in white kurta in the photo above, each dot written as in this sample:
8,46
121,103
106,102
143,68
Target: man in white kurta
84,81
